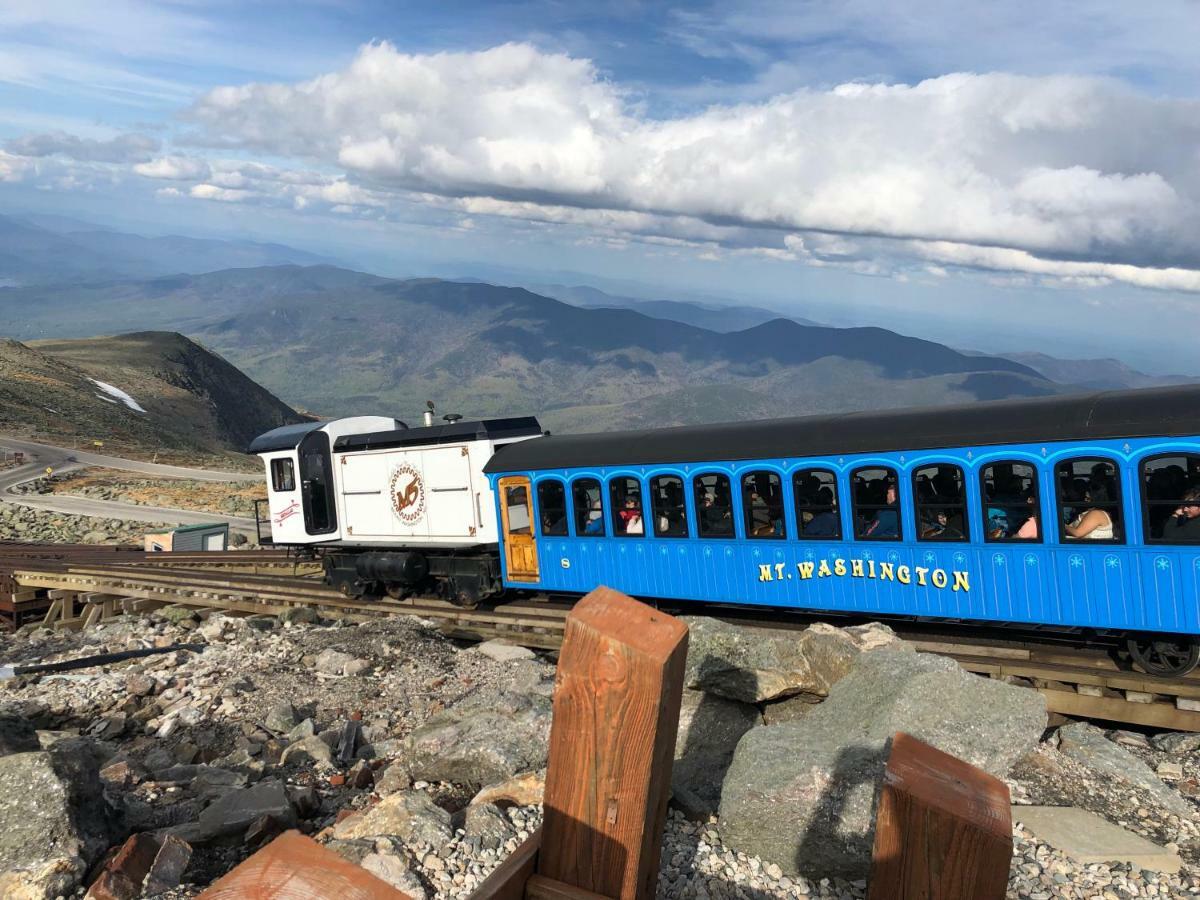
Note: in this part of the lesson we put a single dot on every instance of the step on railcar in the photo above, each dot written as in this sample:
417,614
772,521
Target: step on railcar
1063,512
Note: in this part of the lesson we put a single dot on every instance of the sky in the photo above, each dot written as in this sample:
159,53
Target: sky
1006,176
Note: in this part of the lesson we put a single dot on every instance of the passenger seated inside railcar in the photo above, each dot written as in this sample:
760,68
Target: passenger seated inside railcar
1010,492
626,496
714,505
589,517
666,501
762,500
1170,483
1089,498
876,504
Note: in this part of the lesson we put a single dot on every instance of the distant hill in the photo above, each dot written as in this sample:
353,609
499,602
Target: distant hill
714,317
52,249
1097,374
340,342
148,390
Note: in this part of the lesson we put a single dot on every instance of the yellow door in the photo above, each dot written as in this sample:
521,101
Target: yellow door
520,545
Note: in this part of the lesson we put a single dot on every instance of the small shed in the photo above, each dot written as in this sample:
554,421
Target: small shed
189,539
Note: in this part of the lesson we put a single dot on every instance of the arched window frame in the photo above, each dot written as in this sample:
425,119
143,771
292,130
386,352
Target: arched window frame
917,505
1038,498
1060,522
1144,500
837,505
567,512
576,530
734,506
854,504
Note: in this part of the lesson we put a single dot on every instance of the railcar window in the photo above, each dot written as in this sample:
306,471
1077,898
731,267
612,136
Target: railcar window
1171,499
552,507
762,504
625,494
516,502
283,475
669,508
940,494
589,517
714,506
817,516
1009,491
876,504
1089,501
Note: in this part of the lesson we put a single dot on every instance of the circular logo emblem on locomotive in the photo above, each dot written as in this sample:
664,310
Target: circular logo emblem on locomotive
408,494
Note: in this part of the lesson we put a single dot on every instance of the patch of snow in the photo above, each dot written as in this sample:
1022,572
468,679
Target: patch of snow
118,394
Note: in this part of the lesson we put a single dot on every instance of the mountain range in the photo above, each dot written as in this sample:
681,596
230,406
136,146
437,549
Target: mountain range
337,342
53,249
142,391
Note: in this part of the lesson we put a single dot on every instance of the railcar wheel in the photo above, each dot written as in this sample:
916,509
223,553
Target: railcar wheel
1164,657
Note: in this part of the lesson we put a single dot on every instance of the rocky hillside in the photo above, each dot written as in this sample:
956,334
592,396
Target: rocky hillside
342,342
148,391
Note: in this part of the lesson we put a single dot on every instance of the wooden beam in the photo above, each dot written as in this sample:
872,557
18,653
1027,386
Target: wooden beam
943,830
539,887
612,741
53,613
508,880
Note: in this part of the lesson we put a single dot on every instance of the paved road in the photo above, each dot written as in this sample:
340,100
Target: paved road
64,459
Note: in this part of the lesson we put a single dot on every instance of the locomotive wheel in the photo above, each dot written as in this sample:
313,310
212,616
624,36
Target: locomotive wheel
1164,657
396,591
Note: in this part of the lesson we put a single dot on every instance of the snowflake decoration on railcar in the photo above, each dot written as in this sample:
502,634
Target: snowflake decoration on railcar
808,554
930,556
893,556
998,558
960,558
1030,559
1076,561
1112,562
1163,563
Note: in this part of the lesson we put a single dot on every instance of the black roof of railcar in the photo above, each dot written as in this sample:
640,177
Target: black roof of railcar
1169,411
450,433
285,437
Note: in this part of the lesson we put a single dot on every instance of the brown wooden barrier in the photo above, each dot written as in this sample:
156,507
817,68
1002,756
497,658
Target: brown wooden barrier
943,830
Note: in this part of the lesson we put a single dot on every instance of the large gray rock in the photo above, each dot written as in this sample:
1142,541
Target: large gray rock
752,666
709,730
803,793
410,815
1087,745
237,810
54,822
476,744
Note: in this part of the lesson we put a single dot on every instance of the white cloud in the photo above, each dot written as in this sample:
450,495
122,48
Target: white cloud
174,168
1061,171
124,148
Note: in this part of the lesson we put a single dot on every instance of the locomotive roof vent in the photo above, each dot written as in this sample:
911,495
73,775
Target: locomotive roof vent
451,417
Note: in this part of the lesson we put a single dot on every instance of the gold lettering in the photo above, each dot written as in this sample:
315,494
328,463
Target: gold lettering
870,568
939,578
839,567
779,571
902,575
856,568
887,572
806,570
823,571
921,572
962,581
764,573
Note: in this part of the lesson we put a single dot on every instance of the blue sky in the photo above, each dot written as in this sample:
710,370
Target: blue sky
957,170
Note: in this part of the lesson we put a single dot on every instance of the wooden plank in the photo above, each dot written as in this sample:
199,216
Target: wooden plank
943,830
53,613
295,867
539,887
91,616
508,880
612,740
1156,715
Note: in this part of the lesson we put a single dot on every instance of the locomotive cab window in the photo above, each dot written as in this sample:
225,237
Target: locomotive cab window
940,495
876,504
1089,501
516,503
625,494
1011,512
589,516
1171,499
668,506
817,515
714,506
283,475
552,507
762,505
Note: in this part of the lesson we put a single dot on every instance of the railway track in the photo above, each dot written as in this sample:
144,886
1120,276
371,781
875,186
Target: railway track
75,588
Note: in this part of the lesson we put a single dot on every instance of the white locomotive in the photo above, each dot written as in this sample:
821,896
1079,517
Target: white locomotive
391,509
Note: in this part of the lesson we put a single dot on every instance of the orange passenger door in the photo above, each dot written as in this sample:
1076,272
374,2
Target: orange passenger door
520,545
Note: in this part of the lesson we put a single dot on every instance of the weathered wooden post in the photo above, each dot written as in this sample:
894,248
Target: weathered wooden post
943,830
612,742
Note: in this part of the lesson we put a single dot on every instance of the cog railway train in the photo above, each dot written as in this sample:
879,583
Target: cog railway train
1078,512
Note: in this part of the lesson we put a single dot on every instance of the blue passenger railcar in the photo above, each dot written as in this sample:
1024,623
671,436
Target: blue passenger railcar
1076,511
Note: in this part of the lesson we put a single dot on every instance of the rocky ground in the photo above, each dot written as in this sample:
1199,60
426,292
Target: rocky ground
420,758
230,499
20,523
